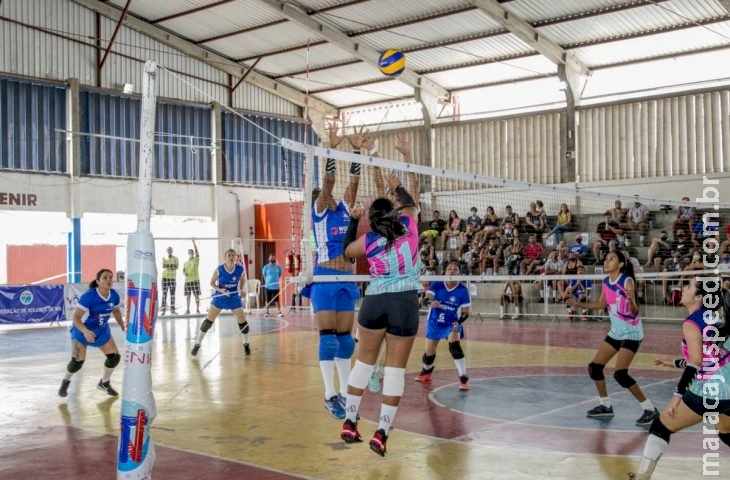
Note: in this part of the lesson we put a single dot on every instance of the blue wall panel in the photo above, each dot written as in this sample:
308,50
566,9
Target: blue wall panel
250,153
30,113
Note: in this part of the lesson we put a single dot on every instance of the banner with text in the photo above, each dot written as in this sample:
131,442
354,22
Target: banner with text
32,304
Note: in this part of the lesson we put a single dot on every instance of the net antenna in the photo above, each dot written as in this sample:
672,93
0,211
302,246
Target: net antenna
136,451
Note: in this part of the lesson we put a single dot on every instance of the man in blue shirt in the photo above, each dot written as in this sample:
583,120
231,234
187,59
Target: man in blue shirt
272,274
580,249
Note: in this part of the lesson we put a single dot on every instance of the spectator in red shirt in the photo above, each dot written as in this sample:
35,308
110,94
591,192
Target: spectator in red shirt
607,230
533,255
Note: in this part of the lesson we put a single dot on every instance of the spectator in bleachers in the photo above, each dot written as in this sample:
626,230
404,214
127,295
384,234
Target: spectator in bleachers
607,230
472,259
427,251
724,245
563,252
514,257
698,231
532,253
724,266
474,220
672,287
553,266
491,256
452,233
618,213
580,289
579,248
659,250
508,235
683,245
512,293
451,257
564,223
489,226
511,217
637,219
683,219
533,222
640,282
435,227
468,237
570,268
543,214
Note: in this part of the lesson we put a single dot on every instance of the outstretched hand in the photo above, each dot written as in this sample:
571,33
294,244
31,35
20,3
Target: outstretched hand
358,138
393,182
404,147
334,138
357,211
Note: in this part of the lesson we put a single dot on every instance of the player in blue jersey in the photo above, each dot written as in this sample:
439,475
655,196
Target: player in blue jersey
91,328
580,290
703,392
333,303
450,305
227,282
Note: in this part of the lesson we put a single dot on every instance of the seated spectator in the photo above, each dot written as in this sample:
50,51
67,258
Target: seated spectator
543,213
724,267
435,227
512,293
724,245
511,217
579,248
450,257
659,250
514,257
562,249
672,286
683,219
565,223
580,290
553,266
508,235
472,259
700,230
618,212
452,233
638,219
683,245
474,220
533,223
570,268
430,268
491,256
607,230
532,254
468,237
489,226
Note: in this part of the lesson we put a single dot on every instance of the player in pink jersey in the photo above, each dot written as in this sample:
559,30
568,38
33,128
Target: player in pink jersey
622,341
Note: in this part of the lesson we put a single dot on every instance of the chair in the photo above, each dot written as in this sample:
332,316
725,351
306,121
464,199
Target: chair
253,290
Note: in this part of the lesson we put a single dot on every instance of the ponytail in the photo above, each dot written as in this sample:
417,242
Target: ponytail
628,268
95,282
384,221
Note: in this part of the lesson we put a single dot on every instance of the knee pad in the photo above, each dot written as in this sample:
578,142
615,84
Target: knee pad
624,379
660,430
429,359
346,345
205,326
595,371
74,365
112,360
328,345
725,437
455,350
360,375
394,381
244,328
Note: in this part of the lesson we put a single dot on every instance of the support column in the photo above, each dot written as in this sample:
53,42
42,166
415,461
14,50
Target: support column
73,168
73,249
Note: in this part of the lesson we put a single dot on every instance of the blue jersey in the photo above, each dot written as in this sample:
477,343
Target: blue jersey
228,280
451,301
97,309
329,231
580,287
271,274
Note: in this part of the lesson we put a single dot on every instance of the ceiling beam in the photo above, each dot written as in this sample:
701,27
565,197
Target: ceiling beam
190,12
726,4
206,56
576,72
426,91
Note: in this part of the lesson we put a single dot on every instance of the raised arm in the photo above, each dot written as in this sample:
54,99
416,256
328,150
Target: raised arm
407,202
404,147
356,140
325,199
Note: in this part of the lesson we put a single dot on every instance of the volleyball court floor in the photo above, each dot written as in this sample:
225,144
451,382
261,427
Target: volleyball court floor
222,415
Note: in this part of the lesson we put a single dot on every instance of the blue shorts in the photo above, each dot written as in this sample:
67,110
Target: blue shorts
103,335
333,296
441,331
231,302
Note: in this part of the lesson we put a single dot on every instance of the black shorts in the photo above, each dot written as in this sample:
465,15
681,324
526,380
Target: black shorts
192,288
168,283
632,345
697,404
396,312
270,295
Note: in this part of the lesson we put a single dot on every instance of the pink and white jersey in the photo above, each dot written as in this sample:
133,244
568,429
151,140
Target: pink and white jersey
395,269
624,324
715,359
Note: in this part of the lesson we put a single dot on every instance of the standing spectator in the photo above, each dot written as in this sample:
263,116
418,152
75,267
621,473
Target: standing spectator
170,265
533,255
511,217
272,275
192,278
638,219
683,219
452,231
618,212
607,230
579,248
564,224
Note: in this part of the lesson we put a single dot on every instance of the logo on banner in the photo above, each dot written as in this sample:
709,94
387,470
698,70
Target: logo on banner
26,297
144,255
141,303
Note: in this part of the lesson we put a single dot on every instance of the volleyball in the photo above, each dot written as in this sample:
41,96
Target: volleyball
392,62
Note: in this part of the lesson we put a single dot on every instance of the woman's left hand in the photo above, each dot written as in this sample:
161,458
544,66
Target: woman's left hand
357,211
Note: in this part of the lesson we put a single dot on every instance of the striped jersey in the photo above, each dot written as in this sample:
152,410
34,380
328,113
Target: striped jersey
624,324
715,360
329,231
228,280
395,269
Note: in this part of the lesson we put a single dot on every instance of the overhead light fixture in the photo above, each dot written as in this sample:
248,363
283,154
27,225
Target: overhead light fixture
128,89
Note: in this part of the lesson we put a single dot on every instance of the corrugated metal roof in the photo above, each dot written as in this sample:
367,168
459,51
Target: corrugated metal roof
495,72
467,52
154,10
335,76
376,92
265,40
296,60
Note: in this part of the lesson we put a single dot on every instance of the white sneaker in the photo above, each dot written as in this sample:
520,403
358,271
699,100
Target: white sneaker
515,316
280,314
